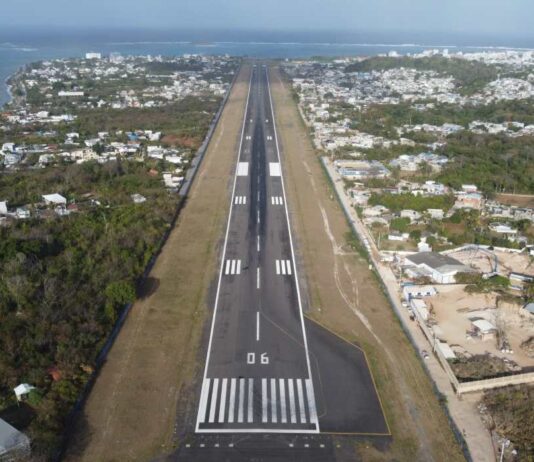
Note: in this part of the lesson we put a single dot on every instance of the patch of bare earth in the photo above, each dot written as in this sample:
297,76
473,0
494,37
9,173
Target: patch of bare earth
519,200
144,397
345,296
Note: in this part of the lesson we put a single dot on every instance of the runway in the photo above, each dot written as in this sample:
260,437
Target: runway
257,377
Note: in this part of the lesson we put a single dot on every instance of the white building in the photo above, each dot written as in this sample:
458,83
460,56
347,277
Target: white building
93,55
409,292
54,199
442,269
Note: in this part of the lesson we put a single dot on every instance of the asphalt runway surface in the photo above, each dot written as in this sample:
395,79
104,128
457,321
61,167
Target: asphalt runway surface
257,376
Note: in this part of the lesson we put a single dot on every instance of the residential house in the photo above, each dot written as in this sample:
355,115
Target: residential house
413,215
54,199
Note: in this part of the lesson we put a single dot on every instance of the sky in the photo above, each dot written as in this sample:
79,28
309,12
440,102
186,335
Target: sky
476,17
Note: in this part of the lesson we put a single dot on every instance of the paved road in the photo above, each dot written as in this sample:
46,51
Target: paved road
257,377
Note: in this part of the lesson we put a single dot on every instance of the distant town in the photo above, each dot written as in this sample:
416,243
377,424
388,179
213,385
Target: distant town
55,103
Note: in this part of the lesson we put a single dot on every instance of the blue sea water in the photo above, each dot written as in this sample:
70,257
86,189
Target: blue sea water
21,46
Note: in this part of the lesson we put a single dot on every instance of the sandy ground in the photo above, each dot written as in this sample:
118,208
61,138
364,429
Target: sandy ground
520,200
506,261
345,296
143,398
453,308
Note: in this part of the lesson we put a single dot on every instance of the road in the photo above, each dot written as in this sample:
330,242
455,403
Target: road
257,376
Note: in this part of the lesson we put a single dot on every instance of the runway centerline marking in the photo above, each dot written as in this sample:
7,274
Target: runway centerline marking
257,326
257,278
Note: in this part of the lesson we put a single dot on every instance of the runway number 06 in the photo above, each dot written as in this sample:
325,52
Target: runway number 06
251,358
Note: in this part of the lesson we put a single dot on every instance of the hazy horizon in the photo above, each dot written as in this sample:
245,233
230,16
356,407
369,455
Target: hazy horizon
410,18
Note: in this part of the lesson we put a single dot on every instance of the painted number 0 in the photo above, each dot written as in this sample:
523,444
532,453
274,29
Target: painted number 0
251,358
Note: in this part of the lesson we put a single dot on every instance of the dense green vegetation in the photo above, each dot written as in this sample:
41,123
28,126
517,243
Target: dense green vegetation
389,116
512,412
186,120
398,202
63,281
472,76
495,163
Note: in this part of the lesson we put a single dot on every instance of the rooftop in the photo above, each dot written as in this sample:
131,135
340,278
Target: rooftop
437,261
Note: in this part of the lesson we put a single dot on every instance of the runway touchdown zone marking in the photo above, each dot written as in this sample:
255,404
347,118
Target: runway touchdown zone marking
274,169
283,267
232,267
277,200
240,200
242,169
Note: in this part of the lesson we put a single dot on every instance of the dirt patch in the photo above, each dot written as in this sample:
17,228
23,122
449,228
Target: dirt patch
519,200
345,296
181,141
131,413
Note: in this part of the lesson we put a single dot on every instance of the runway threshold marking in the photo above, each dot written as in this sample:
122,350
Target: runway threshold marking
289,410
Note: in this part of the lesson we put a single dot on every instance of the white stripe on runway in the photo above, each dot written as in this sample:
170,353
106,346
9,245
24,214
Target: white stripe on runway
257,326
292,407
283,412
311,401
231,406
213,405
283,265
233,267
277,266
273,401
257,278
250,414
203,400
223,400
264,398
242,169
241,409
301,401
258,243
288,264
274,169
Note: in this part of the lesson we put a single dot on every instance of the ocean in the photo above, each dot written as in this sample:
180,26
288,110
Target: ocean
19,47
